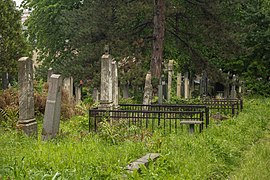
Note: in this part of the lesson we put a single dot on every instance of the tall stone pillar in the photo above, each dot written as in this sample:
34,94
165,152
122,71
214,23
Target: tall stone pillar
95,95
53,108
148,89
186,85
78,94
115,91
179,84
27,121
160,92
170,72
106,81
233,90
68,86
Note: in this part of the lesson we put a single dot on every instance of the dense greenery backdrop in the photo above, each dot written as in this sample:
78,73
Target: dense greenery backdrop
205,35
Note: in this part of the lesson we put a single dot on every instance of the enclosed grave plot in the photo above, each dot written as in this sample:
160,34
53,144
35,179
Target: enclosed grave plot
167,121
169,107
228,107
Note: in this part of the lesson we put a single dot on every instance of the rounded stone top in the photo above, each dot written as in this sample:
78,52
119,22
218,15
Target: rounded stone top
24,59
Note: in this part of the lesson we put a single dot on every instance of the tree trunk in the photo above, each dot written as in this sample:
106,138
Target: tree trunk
158,38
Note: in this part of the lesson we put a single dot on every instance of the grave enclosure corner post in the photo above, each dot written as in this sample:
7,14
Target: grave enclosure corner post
27,121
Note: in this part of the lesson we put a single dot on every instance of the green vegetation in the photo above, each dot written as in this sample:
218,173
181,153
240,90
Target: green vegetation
228,150
12,43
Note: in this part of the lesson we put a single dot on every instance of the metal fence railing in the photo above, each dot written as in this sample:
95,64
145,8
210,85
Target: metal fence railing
225,106
168,121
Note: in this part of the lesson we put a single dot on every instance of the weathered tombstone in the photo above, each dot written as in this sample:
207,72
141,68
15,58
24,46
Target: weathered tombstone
170,72
78,94
227,87
147,97
115,84
27,121
186,85
164,89
160,92
204,85
106,80
125,91
192,87
233,91
179,84
68,86
53,108
95,95
50,72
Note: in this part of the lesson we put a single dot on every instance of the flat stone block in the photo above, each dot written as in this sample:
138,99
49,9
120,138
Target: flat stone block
142,161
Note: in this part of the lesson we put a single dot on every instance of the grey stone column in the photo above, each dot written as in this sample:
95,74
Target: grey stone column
68,86
50,72
148,89
160,92
179,84
186,85
106,81
233,91
53,108
170,72
115,90
78,94
27,121
95,95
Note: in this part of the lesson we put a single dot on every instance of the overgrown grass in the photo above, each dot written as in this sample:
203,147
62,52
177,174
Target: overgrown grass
214,154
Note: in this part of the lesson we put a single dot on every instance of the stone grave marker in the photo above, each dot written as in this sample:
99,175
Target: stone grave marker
78,94
115,89
170,72
186,85
233,90
27,121
53,108
106,99
160,92
179,84
68,86
147,97
95,95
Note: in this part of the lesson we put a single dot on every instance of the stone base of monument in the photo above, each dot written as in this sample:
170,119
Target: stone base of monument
105,105
29,126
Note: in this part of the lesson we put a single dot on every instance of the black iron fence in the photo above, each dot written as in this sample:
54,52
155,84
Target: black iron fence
225,106
169,121
169,107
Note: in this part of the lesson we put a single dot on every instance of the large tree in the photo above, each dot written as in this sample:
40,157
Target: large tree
12,43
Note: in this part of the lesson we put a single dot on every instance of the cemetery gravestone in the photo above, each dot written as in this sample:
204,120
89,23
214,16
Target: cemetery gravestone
160,92
170,71
179,84
233,91
147,89
27,121
68,86
115,84
53,108
106,81
95,95
186,85
78,94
